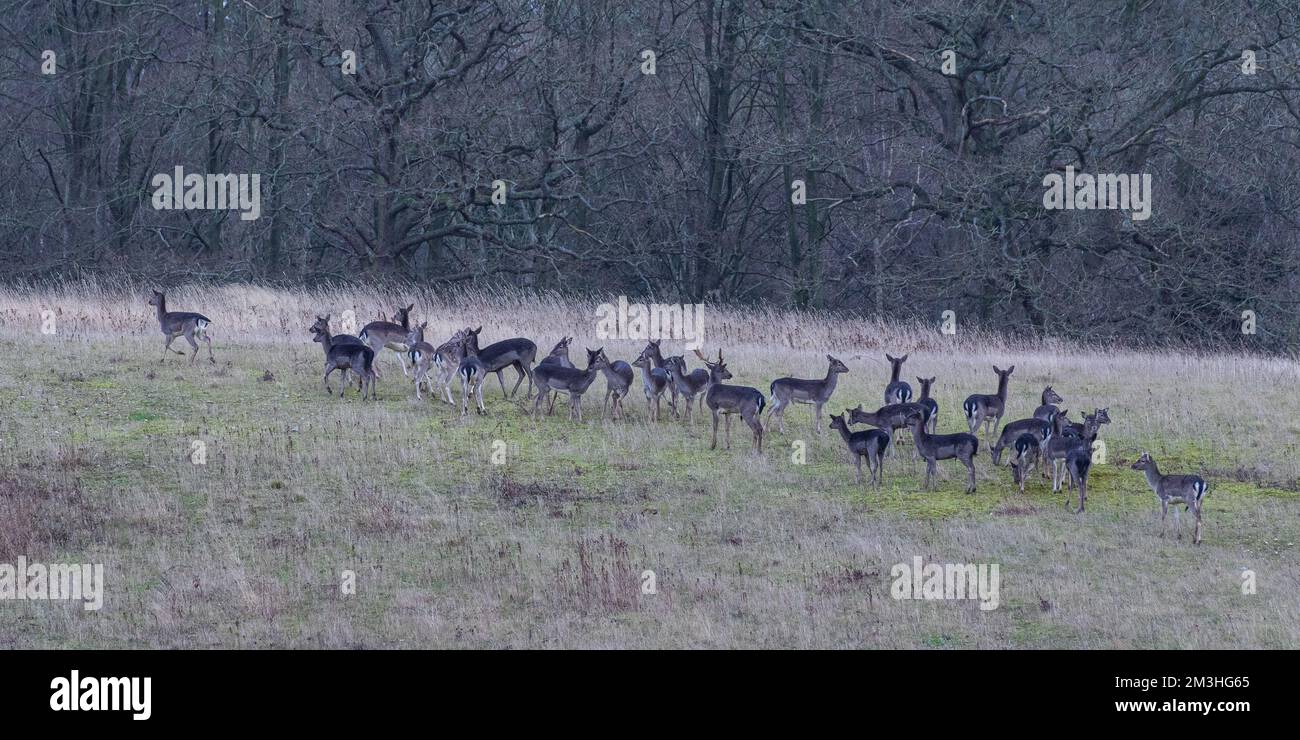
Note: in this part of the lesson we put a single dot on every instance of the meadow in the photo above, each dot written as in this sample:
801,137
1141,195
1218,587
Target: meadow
504,532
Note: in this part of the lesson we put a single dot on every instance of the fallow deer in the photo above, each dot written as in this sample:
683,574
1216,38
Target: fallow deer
654,381
343,357
931,405
732,399
380,334
569,380
1188,490
188,324
870,444
988,409
618,379
898,391
786,391
935,447
1048,410
1025,454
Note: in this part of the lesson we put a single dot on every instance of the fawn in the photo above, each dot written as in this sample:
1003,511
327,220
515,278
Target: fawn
181,323
870,444
1188,490
799,390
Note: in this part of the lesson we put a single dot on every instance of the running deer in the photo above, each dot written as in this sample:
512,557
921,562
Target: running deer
472,373
1048,410
732,399
380,334
931,405
192,326
935,447
898,391
618,379
559,355
518,353
345,356
1025,454
569,380
786,391
659,362
654,381
986,409
870,444
1011,432
687,385
1188,490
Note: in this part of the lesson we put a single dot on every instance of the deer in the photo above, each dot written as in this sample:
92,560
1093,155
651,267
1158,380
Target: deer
192,326
688,386
345,356
931,405
1075,429
447,357
559,355
323,324
618,379
517,353
654,381
1042,430
659,362
988,409
1057,449
732,399
897,391
472,373
569,380
1078,461
786,391
380,334
934,447
1025,455
870,444
1188,490
890,418
1048,410
423,357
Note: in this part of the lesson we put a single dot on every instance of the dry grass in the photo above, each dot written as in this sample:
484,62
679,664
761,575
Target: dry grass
547,550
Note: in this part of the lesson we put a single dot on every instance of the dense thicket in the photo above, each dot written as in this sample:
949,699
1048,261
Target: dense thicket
924,189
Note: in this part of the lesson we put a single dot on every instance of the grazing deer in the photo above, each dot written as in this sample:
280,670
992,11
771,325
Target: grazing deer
569,380
380,334
517,353
890,418
659,362
870,444
1057,449
688,385
798,390
986,409
1048,410
559,355
1188,490
472,373
345,356
931,405
191,325
732,399
618,379
1025,456
898,391
935,447
1042,430
654,381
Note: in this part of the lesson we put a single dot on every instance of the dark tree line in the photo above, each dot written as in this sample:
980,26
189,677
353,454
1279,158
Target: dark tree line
923,184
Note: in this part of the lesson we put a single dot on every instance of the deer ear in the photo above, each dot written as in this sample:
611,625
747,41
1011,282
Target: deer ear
476,331
1011,369
904,357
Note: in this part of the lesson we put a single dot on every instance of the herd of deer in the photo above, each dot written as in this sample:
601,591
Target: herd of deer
1047,436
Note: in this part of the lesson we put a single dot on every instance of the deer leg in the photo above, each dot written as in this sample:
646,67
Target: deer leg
726,424
519,368
817,418
1178,522
326,380
604,407
929,471
537,403
1197,537
478,394
857,473
502,381
970,465
713,445
189,337
1164,512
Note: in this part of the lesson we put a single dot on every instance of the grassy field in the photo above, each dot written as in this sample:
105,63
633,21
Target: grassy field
548,548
